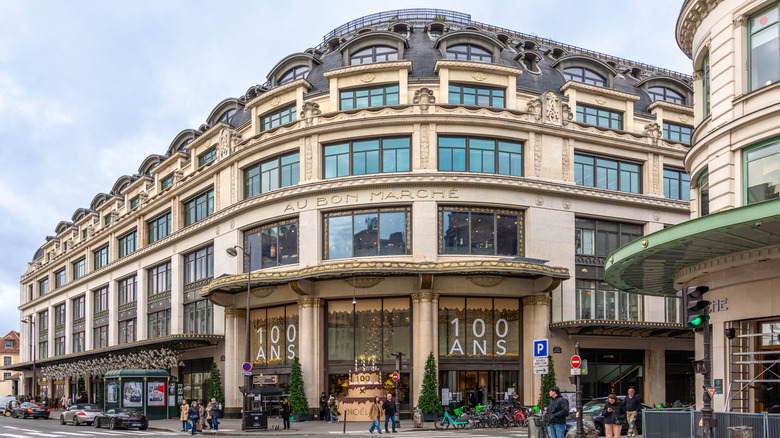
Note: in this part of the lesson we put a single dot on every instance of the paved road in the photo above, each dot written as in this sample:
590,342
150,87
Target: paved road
51,428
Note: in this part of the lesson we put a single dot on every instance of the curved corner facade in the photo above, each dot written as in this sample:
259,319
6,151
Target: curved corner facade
459,183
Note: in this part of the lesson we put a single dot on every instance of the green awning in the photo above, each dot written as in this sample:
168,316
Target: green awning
649,264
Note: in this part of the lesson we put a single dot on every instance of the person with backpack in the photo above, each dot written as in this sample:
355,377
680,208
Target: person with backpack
214,408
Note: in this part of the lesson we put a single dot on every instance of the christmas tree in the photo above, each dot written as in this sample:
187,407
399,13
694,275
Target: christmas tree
548,382
429,396
215,385
298,401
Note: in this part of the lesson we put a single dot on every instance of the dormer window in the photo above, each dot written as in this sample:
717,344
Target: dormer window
530,61
227,115
373,54
585,76
292,74
666,95
468,52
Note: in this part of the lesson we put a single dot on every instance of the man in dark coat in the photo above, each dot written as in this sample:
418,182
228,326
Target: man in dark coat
557,413
389,407
324,407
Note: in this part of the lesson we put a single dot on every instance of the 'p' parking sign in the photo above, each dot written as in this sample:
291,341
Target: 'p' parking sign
540,348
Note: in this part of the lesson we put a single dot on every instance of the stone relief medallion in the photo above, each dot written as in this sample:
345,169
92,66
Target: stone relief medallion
368,77
566,204
539,201
217,230
601,100
657,216
479,76
276,101
232,223
683,118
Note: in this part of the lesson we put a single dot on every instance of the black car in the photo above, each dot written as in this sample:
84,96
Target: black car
29,409
121,417
594,408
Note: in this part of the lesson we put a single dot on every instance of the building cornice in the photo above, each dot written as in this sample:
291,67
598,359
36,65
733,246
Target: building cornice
476,67
275,92
592,89
691,16
368,68
682,109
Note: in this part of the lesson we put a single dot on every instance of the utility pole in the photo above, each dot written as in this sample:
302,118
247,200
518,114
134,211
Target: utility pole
580,431
398,362
706,410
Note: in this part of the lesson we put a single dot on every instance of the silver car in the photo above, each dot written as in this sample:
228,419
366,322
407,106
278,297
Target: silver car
80,413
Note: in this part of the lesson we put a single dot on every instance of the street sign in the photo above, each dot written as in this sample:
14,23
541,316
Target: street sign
265,380
540,348
576,361
246,373
541,370
711,391
541,361
247,366
576,372
395,376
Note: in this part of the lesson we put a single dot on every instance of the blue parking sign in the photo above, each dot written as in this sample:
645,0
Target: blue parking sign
540,348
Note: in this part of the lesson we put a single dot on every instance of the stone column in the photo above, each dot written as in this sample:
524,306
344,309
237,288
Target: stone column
655,374
311,347
141,304
425,334
235,341
536,325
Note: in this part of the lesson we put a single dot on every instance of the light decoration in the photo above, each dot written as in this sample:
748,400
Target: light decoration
164,358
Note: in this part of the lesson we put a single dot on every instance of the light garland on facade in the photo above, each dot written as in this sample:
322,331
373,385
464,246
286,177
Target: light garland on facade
163,359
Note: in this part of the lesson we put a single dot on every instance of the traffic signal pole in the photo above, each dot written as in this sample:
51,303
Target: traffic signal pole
580,431
706,410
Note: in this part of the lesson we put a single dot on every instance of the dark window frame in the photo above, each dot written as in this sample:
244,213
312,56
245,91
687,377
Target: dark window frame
370,54
123,289
192,207
60,278
352,213
159,225
251,180
594,176
192,259
101,257
681,132
351,154
584,75
613,118
79,268
491,95
496,212
682,181
665,94
100,299
351,94
207,156
274,252
499,155
298,72
453,53
128,243
276,118
159,279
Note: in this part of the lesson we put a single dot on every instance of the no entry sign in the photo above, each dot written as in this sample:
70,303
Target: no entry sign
395,377
576,361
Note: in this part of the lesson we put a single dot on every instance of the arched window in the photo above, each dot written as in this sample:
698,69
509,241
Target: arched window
292,74
581,74
373,54
227,115
468,52
665,94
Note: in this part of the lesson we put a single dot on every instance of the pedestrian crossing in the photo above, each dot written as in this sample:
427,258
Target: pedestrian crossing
446,434
21,432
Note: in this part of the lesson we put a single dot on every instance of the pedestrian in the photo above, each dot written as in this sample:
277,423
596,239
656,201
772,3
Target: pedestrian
324,407
214,408
184,411
286,412
374,413
194,416
208,417
70,401
334,409
633,404
472,401
614,416
557,412
768,396
64,402
201,414
389,407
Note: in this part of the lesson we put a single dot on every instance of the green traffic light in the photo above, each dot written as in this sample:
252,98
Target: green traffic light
695,322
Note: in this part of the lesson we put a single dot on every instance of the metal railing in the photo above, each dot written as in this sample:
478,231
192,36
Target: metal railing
685,424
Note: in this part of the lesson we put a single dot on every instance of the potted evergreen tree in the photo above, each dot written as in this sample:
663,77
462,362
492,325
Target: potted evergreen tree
215,387
429,402
298,402
547,383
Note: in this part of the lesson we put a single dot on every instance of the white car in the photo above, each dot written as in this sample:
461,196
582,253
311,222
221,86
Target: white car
80,413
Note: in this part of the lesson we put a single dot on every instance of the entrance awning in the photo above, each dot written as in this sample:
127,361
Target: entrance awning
648,265
602,327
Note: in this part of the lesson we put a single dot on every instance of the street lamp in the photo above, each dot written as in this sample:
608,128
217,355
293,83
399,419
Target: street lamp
232,253
31,325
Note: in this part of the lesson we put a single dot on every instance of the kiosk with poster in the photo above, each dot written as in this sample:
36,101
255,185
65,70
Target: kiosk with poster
143,390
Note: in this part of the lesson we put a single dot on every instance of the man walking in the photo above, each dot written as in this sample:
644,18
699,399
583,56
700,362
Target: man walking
389,407
214,409
557,413
633,404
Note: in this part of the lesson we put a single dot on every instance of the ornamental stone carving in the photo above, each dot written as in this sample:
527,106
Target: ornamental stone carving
177,176
262,292
539,200
311,302
601,100
425,297
697,75
310,109
486,280
223,147
276,101
548,108
566,161
424,146
656,215
364,282
656,172
368,77
424,97
684,118
235,313
740,21
566,204
538,155
479,76
653,131
537,300
308,154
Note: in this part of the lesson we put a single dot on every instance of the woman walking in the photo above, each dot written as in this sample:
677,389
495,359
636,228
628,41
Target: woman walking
614,416
374,413
184,412
286,412
194,416
334,409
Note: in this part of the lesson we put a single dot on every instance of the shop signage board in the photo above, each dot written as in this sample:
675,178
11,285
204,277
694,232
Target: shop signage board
265,380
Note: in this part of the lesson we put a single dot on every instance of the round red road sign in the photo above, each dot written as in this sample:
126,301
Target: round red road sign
395,377
247,366
576,361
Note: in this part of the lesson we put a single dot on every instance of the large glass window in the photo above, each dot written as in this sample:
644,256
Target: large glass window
480,155
703,186
367,233
762,172
598,300
278,118
274,332
468,52
764,48
607,173
677,184
475,95
127,331
79,268
584,75
361,157
43,321
79,308
59,278
207,157
59,315
159,279
294,73
159,227
272,245
127,243
486,329
100,298
377,328
199,207
599,117
666,95
43,287
368,97
480,231
127,290
199,264
672,309
100,337
166,182
101,257
601,238
678,133
281,171
43,350
199,317
79,342
373,54
159,324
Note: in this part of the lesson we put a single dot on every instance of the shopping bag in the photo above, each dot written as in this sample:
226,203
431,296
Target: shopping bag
187,426
291,418
199,428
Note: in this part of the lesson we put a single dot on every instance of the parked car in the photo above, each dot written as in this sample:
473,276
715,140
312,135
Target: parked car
594,408
121,417
7,404
30,409
80,413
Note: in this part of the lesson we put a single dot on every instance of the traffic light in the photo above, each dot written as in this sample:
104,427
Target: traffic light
694,306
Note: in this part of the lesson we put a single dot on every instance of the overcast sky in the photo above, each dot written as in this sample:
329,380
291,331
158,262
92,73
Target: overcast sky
88,89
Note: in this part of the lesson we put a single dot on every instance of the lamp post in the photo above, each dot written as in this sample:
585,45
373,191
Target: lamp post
247,357
30,321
